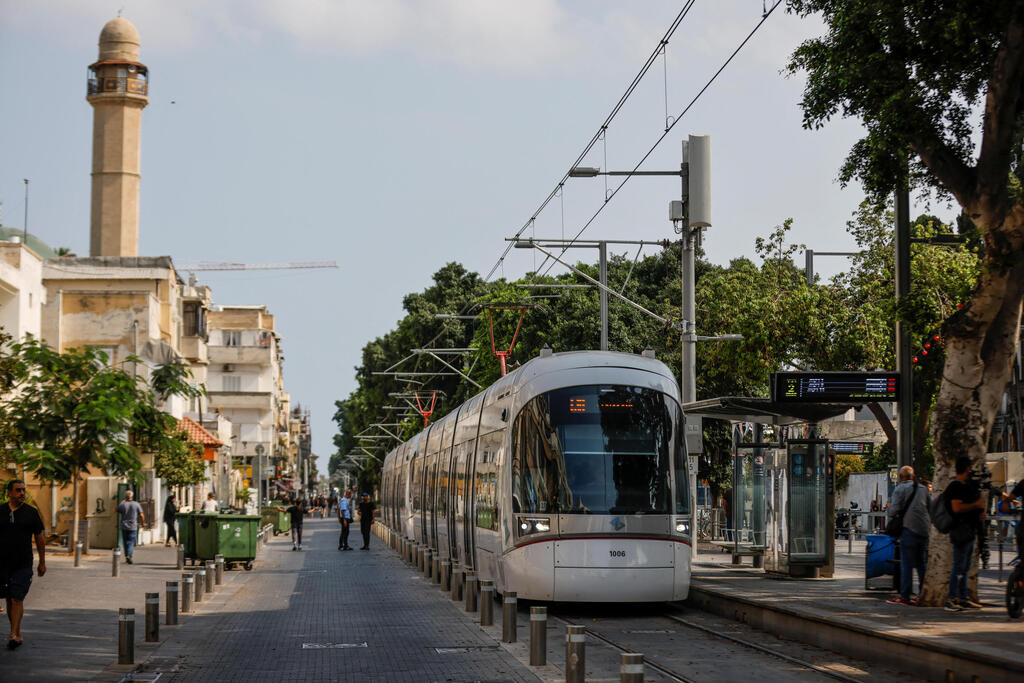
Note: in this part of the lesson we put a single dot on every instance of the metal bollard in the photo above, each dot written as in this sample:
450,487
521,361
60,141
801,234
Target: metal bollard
538,636
458,573
152,617
428,562
632,668
126,635
78,553
446,575
115,565
172,603
420,556
486,603
211,573
181,557
435,572
186,593
219,565
508,617
470,591
200,577
575,654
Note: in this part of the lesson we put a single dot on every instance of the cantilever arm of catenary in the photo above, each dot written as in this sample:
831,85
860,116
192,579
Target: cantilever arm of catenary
663,321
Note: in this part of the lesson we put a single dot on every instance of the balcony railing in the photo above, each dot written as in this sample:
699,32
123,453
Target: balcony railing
131,86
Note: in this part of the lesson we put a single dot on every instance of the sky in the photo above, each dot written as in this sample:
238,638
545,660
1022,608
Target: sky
395,136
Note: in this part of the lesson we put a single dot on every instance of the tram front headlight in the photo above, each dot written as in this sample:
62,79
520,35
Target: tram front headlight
682,526
534,525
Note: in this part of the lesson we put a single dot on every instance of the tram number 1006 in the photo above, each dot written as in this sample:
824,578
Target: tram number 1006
617,553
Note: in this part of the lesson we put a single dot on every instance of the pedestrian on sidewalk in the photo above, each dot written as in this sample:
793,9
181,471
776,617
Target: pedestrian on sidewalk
968,509
345,519
296,511
210,504
910,501
131,517
18,527
366,509
170,516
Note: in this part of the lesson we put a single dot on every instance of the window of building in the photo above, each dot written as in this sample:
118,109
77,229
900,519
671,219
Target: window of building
232,383
194,318
232,337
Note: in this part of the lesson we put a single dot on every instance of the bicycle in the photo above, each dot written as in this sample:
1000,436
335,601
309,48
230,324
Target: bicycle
1015,589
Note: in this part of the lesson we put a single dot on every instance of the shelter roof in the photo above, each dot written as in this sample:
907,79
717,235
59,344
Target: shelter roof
765,410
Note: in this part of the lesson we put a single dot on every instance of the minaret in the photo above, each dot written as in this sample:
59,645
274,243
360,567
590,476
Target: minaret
118,88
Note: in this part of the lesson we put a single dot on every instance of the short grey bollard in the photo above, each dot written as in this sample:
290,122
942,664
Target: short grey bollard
172,603
446,575
200,577
428,562
632,668
421,555
181,557
538,636
508,617
186,593
486,603
435,572
126,635
458,573
78,553
152,617
575,654
219,565
211,575
470,591
115,562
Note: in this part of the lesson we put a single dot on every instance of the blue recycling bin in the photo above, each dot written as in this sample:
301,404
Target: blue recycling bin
881,559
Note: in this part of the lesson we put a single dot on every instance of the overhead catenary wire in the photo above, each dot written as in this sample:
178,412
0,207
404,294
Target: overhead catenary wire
661,138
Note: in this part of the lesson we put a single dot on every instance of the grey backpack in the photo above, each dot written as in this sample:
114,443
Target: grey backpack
942,517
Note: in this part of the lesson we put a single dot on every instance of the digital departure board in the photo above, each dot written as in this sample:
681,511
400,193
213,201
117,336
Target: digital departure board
833,387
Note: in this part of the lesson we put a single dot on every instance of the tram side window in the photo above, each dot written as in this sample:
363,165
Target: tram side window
682,472
487,481
535,459
417,483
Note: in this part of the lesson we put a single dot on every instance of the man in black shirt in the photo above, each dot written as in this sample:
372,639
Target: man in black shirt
968,508
17,528
296,512
366,508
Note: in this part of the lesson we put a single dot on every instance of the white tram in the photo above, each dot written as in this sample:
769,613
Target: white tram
565,480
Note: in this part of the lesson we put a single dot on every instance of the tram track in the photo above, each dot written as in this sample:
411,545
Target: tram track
675,675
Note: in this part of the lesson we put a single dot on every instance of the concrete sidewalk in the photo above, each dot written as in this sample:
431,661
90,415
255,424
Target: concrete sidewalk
841,615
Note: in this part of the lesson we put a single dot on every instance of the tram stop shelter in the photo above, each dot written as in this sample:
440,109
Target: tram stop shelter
782,510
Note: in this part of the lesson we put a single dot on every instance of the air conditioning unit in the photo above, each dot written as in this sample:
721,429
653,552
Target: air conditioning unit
228,367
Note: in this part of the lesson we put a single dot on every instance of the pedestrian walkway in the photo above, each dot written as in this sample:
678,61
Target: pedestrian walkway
986,639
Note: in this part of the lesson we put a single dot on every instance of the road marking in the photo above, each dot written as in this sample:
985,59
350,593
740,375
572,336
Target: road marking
331,646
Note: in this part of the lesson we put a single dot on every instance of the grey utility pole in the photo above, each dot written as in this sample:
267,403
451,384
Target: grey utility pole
904,423
259,478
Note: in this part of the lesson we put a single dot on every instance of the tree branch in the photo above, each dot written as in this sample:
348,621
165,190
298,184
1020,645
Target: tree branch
883,421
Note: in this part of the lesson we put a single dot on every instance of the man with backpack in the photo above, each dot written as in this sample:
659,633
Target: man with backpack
968,509
909,505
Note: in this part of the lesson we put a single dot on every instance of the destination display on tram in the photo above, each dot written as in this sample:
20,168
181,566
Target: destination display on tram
834,387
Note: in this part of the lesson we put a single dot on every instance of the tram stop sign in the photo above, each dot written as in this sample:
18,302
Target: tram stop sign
834,387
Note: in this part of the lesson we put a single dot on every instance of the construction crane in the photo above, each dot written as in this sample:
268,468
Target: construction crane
211,265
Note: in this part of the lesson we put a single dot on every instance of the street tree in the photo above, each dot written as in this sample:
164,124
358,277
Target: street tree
73,412
937,86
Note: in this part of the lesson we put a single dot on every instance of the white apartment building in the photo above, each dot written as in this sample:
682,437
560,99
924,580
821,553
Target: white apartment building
22,294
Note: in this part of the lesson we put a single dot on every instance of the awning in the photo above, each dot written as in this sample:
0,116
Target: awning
764,410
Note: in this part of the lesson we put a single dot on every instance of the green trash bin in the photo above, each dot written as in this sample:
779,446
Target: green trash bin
233,536
281,521
187,535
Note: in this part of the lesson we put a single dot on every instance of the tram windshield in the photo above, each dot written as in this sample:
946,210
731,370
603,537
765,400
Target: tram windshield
596,450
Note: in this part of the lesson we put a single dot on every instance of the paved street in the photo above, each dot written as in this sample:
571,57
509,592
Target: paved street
314,615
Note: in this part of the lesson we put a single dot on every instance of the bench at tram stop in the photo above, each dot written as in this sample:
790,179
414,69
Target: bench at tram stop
757,554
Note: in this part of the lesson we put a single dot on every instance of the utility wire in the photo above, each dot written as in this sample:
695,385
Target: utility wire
668,129
651,61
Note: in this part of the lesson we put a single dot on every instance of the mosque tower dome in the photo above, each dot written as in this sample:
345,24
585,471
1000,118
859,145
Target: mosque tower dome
119,39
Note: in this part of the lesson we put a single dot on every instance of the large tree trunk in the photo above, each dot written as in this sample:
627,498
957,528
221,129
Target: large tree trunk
981,341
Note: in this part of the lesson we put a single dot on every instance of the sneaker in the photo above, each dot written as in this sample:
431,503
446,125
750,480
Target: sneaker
128,560
953,606
293,546
967,603
899,600
300,546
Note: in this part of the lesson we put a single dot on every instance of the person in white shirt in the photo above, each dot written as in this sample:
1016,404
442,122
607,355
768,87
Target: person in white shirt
210,504
345,519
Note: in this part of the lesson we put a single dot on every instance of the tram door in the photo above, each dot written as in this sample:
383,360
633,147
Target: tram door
427,493
448,463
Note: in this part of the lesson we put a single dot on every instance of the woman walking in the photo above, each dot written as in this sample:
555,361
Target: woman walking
170,513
